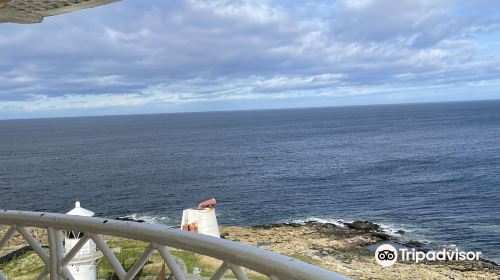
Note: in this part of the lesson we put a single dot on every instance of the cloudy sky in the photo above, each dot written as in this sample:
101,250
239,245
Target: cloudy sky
147,56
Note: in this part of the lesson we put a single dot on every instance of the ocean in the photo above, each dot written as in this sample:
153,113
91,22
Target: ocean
431,169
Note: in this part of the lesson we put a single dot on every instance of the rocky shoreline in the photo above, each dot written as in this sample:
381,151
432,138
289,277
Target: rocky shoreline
344,248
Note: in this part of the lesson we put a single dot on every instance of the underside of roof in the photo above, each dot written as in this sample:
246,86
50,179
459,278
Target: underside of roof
33,11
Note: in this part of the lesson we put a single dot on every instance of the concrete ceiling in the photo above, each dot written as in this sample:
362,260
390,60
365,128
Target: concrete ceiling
33,11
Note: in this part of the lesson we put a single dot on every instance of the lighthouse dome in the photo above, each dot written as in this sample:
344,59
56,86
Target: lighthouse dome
79,211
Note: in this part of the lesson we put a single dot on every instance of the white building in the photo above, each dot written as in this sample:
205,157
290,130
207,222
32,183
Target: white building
84,265
201,219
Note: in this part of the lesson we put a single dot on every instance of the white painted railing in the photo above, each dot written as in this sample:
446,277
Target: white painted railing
234,255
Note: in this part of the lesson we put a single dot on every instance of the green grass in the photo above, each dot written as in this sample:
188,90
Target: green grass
26,266
131,250
29,265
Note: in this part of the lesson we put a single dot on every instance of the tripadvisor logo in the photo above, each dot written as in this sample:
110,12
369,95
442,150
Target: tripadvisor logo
386,255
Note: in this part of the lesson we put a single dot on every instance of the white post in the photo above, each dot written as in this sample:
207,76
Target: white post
7,237
113,261
219,274
171,263
55,254
238,271
140,262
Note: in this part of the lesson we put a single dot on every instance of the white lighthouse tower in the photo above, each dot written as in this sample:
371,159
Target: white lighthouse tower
84,265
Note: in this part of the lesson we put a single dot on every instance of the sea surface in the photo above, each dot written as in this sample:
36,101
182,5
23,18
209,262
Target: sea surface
432,170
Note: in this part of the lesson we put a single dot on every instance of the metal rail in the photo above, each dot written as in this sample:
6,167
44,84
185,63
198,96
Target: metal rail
234,255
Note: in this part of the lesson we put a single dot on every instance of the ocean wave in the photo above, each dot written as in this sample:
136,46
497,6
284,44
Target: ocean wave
152,219
395,229
391,229
337,222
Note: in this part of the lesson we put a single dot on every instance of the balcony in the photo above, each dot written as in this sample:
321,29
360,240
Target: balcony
234,256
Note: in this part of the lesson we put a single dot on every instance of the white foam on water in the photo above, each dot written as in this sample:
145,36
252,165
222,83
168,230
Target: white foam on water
152,219
394,229
390,229
337,222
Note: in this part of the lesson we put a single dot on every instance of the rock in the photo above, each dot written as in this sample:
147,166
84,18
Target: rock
127,219
416,243
365,226
295,225
383,236
312,223
269,226
343,249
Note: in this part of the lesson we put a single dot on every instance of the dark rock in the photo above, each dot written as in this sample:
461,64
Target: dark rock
400,232
127,219
383,236
365,226
489,263
295,225
416,243
312,223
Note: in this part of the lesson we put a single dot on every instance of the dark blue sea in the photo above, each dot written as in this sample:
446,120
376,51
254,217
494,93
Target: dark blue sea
432,170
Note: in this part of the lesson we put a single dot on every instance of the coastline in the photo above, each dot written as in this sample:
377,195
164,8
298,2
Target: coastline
345,248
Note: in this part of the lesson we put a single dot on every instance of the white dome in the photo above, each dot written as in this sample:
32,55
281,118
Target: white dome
79,211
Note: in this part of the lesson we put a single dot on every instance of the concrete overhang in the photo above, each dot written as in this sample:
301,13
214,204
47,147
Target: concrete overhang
33,11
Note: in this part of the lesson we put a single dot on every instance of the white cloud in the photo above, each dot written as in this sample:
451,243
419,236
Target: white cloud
136,53
249,12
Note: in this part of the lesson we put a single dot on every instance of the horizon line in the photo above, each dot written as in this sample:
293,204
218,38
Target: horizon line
248,110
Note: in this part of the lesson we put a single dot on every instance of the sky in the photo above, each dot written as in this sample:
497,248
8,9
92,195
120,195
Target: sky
149,56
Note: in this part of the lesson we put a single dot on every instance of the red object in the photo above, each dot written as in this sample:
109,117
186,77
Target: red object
191,227
207,203
162,275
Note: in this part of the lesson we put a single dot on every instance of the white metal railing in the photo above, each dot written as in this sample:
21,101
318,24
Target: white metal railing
234,255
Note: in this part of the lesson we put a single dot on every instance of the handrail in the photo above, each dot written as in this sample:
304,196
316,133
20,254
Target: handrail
235,255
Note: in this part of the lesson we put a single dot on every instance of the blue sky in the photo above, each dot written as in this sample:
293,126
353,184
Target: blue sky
149,56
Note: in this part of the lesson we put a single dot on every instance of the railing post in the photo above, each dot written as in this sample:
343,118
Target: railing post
108,254
219,274
140,263
72,253
43,274
170,261
55,253
7,237
34,244
238,272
